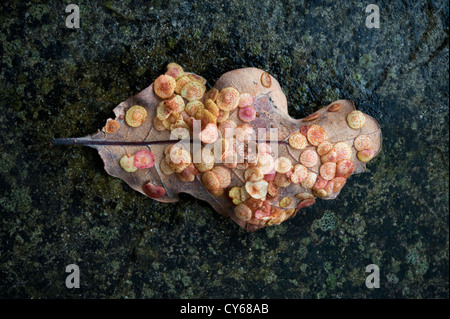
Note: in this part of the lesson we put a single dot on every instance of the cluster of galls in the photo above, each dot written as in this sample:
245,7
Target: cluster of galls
321,169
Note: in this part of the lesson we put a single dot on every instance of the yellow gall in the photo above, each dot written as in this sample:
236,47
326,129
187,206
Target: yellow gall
338,183
227,127
175,103
228,99
167,150
135,116
303,196
162,111
273,190
344,168
178,167
331,156
111,126
235,195
174,117
246,99
242,166
362,142
127,163
174,70
212,94
165,167
253,174
320,183
277,216
227,146
179,159
243,212
206,160
356,119
290,212
286,201
210,181
316,135
265,163
229,159
310,180
299,174
309,158
298,141
223,116
188,174
166,124
282,165
324,148
179,123
328,171
244,194
281,180
193,107
257,190
244,132
180,83
197,78
223,174
218,192
158,124
193,91
205,117
343,151
179,133
264,148
366,155
212,107
209,134
320,192
186,178
329,188
266,80
164,86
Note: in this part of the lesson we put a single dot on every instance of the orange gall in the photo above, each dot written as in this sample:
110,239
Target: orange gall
164,86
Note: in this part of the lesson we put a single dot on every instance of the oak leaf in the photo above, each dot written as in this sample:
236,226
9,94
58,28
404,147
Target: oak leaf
296,185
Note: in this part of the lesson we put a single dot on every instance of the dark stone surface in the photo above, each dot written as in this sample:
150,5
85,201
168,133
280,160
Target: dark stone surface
58,206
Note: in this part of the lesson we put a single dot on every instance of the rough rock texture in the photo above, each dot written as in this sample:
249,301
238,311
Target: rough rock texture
58,206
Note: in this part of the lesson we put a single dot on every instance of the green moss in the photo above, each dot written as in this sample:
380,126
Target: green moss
285,62
328,221
18,200
365,61
412,256
331,281
171,42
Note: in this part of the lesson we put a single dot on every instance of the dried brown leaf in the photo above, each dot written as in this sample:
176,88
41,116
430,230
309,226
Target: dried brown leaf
271,105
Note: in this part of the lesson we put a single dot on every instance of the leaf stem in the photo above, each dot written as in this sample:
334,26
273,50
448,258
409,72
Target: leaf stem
89,142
